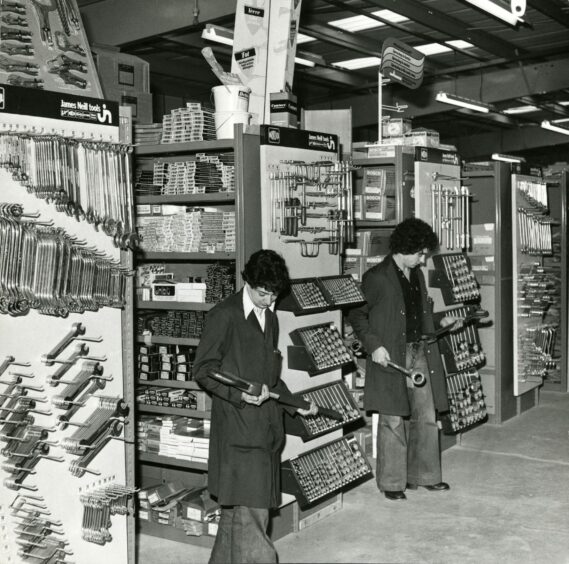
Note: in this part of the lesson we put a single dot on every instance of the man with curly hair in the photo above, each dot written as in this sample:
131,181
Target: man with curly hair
240,338
390,325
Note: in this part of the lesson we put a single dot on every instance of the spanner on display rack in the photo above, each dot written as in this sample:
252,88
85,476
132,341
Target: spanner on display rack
13,34
42,10
12,18
14,7
8,65
63,44
13,50
16,80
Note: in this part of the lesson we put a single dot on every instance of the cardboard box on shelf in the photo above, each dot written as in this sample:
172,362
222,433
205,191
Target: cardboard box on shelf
120,70
284,109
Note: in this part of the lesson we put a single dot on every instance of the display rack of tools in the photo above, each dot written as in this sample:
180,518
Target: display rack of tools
85,178
39,533
312,204
317,349
333,396
313,295
461,349
453,275
467,405
69,336
44,46
534,283
322,471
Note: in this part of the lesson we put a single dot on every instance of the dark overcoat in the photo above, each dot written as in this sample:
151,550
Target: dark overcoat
245,440
381,321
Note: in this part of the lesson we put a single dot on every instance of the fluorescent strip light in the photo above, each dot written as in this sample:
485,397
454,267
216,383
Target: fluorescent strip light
546,124
507,158
521,110
302,38
459,44
496,10
562,120
304,62
217,34
433,49
361,63
225,37
455,100
361,22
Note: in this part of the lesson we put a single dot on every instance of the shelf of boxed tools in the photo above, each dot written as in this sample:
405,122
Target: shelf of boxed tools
67,400
520,302
198,209
443,199
307,217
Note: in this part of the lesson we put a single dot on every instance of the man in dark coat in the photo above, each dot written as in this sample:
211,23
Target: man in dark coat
240,338
397,313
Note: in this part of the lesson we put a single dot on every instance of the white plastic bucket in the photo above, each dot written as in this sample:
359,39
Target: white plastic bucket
224,122
231,98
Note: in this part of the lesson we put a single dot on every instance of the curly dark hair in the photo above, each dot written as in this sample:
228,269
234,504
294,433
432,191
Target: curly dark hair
411,236
267,269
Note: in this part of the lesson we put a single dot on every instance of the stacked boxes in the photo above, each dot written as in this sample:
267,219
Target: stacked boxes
165,362
125,79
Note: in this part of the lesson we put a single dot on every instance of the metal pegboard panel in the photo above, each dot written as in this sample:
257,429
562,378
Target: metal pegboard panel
59,486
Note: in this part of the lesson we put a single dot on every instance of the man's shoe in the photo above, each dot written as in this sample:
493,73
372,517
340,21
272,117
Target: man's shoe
394,495
440,487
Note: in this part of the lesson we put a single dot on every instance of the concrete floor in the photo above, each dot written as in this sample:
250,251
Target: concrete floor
508,503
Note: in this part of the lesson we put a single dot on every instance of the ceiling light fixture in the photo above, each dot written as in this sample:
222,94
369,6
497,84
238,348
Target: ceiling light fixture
354,24
546,124
455,100
496,10
521,110
224,36
359,63
507,158
217,34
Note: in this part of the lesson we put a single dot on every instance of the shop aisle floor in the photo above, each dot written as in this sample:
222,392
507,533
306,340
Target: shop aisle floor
508,504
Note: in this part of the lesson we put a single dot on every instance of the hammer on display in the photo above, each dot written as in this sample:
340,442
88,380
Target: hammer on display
254,389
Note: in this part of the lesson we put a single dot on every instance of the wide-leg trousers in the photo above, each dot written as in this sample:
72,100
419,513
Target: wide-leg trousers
242,537
408,449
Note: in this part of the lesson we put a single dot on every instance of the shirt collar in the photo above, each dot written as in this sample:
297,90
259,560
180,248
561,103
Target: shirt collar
248,304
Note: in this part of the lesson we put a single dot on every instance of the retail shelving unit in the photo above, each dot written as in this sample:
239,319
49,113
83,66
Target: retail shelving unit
495,244
245,201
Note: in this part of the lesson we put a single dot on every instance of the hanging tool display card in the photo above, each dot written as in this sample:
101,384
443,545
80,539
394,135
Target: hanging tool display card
43,45
264,46
42,355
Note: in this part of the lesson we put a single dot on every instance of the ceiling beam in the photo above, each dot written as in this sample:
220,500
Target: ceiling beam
118,22
426,15
491,87
342,39
550,9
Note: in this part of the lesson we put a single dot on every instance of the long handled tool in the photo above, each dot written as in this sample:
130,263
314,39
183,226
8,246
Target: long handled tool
473,315
254,389
418,378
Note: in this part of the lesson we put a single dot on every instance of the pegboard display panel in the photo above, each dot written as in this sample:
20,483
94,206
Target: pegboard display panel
467,405
532,282
453,275
333,396
59,373
461,349
322,471
321,349
311,295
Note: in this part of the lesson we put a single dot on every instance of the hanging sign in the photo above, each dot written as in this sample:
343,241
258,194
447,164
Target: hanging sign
401,63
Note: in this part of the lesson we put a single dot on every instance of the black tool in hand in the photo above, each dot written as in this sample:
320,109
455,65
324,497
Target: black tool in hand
254,389
471,316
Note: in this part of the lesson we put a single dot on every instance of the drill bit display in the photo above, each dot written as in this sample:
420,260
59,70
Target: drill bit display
318,473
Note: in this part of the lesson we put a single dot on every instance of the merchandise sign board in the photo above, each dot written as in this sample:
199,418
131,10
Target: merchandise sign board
57,105
438,156
299,139
401,63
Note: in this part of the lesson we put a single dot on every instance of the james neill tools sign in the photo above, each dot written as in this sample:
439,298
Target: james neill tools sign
402,63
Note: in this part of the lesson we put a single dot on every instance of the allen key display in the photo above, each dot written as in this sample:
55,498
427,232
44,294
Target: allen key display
333,396
320,472
318,349
467,406
455,279
313,295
